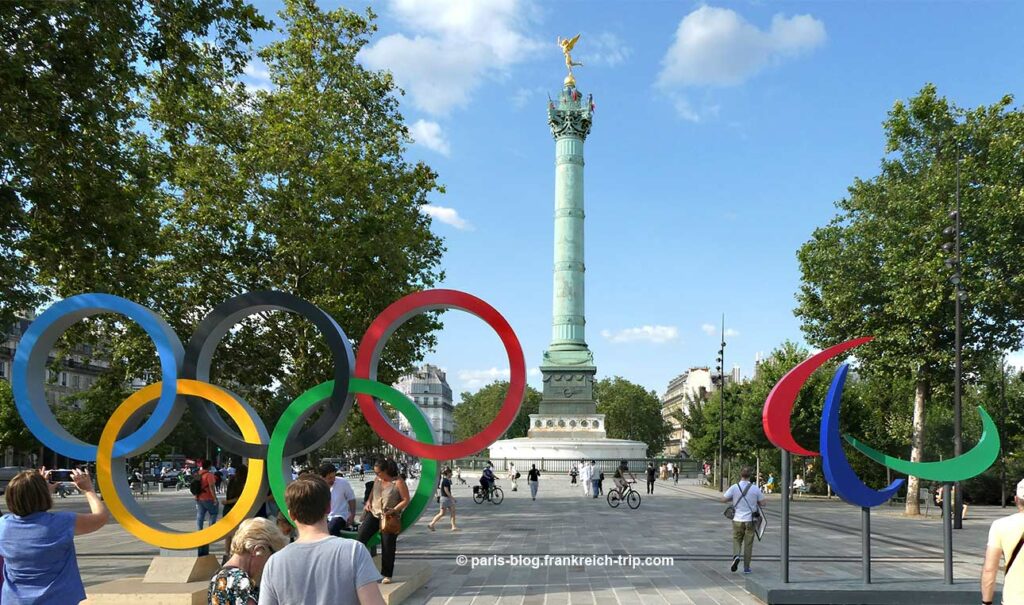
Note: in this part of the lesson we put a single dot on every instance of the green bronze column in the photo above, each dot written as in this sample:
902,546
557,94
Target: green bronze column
568,364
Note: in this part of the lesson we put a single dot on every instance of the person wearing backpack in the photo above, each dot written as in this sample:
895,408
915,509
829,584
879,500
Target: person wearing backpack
746,500
1005,539
204,486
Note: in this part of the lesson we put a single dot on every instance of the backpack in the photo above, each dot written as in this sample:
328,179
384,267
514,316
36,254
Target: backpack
196,485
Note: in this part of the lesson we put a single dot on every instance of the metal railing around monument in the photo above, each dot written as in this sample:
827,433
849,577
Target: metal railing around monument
688,469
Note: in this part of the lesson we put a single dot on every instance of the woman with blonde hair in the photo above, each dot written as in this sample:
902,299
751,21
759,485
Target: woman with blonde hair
38,547
237,582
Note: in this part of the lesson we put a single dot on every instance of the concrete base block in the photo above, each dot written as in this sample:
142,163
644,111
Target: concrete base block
409,577
132,591
855,592
181,570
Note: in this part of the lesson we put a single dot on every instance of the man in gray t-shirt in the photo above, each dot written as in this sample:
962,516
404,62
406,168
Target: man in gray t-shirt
318,569
330,570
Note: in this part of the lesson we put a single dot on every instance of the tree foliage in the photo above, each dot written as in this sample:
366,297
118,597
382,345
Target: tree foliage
477,410
632,412
878,268
134,161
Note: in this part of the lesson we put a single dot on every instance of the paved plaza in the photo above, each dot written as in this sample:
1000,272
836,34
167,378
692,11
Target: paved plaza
682,522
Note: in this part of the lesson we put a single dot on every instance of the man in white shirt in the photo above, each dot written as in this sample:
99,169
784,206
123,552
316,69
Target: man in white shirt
586,474
343,500
1005,541
746,498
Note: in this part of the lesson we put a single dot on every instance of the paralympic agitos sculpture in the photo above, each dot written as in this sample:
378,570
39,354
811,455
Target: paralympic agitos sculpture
778,408
184,375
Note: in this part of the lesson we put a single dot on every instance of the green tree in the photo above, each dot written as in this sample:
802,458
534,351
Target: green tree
304,189
878,269
632,412
477,410
78,173
13,432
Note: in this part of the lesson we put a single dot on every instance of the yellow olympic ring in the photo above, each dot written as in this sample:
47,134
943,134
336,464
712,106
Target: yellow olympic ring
131,516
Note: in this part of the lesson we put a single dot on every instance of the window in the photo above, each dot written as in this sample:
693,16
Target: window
63,379
3,369
75,381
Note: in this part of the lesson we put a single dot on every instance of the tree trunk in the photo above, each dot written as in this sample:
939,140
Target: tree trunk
913,507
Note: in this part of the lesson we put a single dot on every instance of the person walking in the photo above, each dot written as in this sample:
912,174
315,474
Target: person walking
446,499
513,476
389,498
237,582
533,478
1005,537
573,473
595,478
318,568
746,499
37,546
586,472
651,476
206,500
675,475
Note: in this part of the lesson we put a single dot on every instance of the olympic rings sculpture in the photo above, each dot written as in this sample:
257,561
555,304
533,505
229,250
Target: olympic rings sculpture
776,418
185,371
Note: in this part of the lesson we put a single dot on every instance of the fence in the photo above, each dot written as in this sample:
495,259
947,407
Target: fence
687,468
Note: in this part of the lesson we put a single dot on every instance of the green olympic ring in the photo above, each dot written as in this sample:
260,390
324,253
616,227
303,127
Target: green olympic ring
303,405
961,468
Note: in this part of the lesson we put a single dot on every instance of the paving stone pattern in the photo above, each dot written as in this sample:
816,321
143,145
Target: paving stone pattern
682,521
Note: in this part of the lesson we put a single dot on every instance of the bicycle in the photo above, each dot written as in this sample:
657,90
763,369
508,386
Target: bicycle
632,497
495,495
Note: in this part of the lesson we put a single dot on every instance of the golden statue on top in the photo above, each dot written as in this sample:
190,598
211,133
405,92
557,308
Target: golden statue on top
567,46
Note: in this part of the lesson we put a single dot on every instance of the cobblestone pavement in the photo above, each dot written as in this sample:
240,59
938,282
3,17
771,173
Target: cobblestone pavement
682,525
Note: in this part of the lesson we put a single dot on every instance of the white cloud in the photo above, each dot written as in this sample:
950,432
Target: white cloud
718,47
452,46
655,334
709,329
605,49
448,216
429,135
474,379
730,332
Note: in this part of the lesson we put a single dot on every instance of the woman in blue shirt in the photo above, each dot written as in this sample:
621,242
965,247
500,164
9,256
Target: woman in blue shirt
38,546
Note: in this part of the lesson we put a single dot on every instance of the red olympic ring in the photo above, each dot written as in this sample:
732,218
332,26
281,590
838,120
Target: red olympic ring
372,343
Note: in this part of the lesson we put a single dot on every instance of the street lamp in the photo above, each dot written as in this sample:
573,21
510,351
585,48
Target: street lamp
719,379
952,246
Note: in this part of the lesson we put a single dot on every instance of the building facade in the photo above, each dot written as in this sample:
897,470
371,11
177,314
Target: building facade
428,388
689,386
75,373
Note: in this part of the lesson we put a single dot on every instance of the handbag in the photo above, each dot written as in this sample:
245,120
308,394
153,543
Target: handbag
730,511
391,524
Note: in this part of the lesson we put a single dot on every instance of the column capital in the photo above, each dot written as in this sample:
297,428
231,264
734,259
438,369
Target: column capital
571,115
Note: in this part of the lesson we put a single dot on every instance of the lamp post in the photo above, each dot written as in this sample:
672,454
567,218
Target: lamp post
719,378
952,245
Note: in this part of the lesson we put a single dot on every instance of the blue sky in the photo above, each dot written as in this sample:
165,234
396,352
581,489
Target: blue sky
723,135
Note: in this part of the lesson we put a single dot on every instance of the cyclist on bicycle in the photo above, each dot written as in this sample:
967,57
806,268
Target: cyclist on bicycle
487,480
620,477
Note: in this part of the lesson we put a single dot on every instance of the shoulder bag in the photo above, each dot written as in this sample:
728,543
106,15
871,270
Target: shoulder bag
730,511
